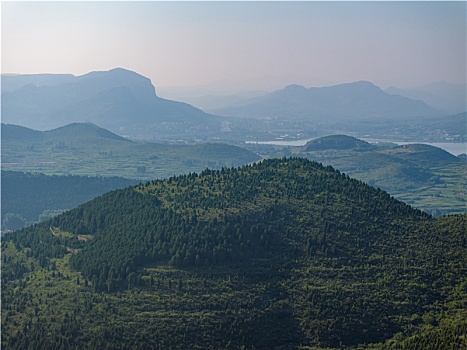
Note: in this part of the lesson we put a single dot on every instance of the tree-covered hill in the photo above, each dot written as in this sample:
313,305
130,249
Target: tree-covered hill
282,254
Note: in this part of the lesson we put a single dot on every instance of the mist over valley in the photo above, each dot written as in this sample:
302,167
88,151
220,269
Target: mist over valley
233,175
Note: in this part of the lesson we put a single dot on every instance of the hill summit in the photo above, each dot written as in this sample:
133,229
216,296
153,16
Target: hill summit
336,142
283,253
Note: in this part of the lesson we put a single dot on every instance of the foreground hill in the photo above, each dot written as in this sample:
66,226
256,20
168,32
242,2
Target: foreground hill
351,101
36,197
283,254
86,149
118,100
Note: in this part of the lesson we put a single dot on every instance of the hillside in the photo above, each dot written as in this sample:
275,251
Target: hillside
86,149
423,176
423,155
282,254
351,101
28,198
118,100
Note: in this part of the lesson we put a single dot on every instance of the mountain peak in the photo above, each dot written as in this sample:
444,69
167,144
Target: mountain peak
121,77
359,86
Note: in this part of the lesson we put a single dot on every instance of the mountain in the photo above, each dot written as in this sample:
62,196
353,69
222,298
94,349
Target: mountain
119,99
281,254
28,198
447,97
358,100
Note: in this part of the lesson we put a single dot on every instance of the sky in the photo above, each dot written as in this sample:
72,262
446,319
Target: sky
249,45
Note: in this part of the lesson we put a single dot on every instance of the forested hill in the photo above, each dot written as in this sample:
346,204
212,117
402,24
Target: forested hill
284,253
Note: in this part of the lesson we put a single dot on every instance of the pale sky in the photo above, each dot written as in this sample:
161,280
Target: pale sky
252,44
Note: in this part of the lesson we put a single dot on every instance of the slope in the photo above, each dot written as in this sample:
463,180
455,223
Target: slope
424,176
282,254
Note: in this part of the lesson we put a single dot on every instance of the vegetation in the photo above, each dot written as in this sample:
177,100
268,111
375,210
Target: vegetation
85,149
28,198
423,176
285,254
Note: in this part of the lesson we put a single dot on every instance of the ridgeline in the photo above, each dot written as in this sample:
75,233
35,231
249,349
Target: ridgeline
281,254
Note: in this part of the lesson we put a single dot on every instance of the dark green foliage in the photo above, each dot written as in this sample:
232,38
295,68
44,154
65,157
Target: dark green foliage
280,254
32,195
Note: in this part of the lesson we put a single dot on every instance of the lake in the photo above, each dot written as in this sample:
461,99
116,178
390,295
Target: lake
454,148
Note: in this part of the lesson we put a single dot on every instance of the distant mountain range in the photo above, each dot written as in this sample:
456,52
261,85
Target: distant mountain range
126,103
356,101
119,99
447,97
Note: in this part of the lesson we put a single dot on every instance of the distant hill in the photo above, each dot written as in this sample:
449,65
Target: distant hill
425,176
119,100
82,133
86,149
281,254
421,154
337,142
442,96
11,132
358,100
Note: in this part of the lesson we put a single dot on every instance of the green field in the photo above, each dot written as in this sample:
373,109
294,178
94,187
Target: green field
84,149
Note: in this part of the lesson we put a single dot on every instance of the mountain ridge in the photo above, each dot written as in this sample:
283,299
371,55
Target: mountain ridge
118,99
360,99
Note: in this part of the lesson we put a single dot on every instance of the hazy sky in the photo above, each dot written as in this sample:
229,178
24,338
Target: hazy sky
252,44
